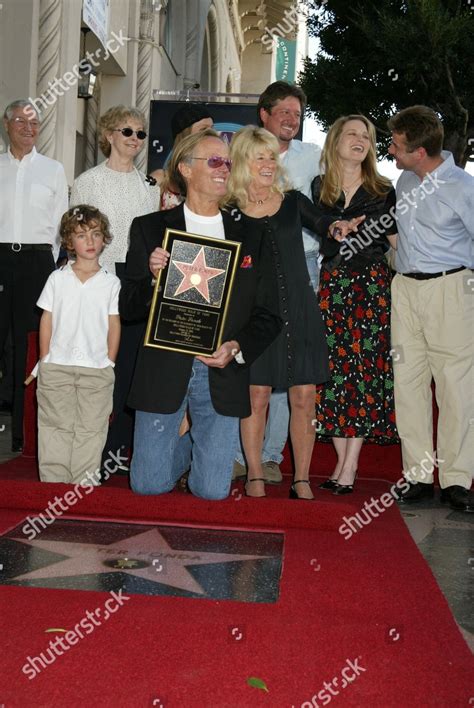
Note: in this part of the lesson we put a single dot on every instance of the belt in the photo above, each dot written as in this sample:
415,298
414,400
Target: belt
17,247
428,276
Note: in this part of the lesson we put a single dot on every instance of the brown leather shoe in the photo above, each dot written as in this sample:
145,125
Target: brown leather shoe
239,471
271,472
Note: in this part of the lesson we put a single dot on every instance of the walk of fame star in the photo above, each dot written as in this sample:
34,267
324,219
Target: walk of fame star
197,275
143,560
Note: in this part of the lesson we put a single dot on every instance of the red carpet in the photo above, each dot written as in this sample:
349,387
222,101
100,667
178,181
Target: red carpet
368,603
377,462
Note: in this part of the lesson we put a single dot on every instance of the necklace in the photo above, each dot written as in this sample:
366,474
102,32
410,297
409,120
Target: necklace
346,189
258,202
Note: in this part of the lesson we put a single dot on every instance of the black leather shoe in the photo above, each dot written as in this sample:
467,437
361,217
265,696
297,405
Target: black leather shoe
343,489
328,484
417,492
458,498
17,445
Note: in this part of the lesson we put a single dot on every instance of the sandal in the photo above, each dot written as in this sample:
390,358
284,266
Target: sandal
249,481
294,493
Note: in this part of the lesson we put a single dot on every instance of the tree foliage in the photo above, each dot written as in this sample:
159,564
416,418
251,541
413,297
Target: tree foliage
378,56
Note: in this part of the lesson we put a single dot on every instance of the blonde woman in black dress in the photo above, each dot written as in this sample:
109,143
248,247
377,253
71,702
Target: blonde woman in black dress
298,358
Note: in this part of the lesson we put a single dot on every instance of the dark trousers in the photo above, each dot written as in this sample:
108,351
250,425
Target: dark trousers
6,380
120,436
22,278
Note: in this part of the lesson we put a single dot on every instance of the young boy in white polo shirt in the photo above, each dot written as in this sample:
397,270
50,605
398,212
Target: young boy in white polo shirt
79,339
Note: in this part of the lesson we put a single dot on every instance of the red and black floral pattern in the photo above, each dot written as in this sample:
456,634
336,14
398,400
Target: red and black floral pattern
358,399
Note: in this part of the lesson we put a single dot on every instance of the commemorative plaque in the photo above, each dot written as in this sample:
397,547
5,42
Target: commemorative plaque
191,296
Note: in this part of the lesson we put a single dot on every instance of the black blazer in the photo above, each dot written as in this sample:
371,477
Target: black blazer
161,377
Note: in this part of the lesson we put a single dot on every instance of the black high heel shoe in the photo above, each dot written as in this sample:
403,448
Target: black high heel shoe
294,493
328,484
345,488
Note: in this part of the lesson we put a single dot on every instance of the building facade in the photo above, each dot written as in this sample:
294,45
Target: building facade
126,51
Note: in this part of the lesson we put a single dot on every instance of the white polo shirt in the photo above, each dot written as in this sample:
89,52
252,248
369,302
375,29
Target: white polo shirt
80,317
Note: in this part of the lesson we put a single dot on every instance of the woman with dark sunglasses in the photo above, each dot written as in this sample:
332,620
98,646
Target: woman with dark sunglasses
121,192
115,186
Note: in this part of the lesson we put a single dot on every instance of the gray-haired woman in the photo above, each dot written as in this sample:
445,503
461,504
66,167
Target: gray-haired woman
115,186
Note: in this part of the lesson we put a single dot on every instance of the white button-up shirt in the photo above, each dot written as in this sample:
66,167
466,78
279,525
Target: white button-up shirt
33,197
435,219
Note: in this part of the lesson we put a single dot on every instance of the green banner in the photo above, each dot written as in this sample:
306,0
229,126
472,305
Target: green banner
285,66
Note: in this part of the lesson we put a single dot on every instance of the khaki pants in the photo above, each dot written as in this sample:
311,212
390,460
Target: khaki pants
432,337
74,405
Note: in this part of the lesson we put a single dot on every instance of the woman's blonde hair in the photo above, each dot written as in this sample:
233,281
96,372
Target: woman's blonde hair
331,170
112,119
246,143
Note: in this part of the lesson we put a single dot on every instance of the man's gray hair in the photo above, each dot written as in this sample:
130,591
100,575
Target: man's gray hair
20,103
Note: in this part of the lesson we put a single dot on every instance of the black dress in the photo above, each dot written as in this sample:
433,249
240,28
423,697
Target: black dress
354,298
299,354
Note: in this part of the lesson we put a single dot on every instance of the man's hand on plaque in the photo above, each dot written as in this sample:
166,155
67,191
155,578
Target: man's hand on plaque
221,356
158,260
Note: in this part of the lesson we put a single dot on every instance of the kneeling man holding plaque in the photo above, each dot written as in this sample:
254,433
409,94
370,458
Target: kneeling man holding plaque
209,295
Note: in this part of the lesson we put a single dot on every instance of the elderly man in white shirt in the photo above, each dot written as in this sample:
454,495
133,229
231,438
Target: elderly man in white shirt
33,197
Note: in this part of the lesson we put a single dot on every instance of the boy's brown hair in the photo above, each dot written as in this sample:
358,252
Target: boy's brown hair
81,215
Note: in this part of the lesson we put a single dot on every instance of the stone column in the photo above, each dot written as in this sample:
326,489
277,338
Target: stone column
90,132
196,17
49,42
144,68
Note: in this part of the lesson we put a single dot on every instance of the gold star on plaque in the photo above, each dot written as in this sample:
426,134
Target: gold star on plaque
197,275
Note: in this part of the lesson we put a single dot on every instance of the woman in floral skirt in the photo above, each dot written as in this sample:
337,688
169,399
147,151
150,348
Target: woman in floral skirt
357,403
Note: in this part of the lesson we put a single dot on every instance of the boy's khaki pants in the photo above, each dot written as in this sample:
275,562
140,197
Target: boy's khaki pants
74,405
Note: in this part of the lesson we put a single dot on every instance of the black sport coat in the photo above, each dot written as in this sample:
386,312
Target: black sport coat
161,377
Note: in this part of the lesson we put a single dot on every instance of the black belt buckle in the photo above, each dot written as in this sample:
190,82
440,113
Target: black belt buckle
18,247
430,276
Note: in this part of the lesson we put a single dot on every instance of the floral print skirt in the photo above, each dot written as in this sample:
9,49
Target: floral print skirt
358,399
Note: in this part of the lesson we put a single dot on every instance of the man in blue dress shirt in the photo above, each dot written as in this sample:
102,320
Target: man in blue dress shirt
432,310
